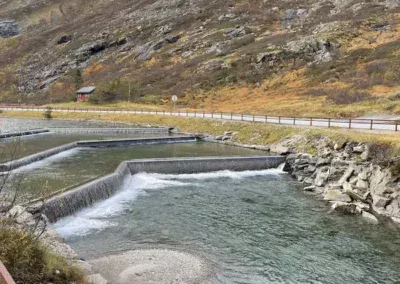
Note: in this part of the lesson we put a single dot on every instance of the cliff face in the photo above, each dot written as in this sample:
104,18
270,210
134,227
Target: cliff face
195,49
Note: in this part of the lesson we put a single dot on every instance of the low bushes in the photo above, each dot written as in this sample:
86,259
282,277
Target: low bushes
340,96
29,262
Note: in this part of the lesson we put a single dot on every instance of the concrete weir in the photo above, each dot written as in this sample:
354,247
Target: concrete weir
143,130
83,196
96,143
23,133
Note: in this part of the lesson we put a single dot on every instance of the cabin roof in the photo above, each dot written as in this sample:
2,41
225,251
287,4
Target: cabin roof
86,90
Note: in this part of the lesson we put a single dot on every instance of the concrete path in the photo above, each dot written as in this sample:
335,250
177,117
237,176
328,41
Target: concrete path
353,123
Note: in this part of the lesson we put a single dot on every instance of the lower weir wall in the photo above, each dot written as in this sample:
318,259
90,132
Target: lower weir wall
84,196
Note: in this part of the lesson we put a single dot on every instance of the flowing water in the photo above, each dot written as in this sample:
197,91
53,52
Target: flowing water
253,227
78,165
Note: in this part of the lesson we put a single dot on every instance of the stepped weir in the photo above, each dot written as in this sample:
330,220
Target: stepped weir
83,196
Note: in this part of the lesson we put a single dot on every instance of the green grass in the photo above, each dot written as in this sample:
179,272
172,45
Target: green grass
247,132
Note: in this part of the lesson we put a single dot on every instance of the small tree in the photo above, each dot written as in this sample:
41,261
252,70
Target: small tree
47,113
78,81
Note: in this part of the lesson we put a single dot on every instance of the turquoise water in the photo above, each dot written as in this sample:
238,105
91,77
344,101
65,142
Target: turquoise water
81,164
253,227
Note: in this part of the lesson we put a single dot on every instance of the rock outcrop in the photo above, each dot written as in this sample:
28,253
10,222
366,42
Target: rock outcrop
349,177
8,28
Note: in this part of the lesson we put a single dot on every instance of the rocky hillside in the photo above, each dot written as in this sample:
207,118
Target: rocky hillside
313,55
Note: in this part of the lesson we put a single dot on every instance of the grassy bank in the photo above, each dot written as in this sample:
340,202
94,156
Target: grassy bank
29,262
281,106
247,132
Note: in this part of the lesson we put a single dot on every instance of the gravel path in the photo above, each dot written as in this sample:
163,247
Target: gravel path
153,266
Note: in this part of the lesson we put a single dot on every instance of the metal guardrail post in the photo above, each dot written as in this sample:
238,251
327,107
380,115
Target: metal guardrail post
212,114
329,122
266,118
204,114
372,123
350,123
231,116
397,126
187,114
253,118
279,119
242,116
311,121
294,120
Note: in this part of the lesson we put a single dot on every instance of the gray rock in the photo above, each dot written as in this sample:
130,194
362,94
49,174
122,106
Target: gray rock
368,217
336,195
359,149
362,184
5,206
347,174
225,138
309,188
347,186
379,179
322,176
281,150
380,201
323,161
9,28
96,279
308,180
343,208
219,137
20,215
315,49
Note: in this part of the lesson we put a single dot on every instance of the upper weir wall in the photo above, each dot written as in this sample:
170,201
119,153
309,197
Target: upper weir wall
144,130
97,143
67,203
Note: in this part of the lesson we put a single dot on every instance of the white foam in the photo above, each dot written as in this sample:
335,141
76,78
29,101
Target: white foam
93,219
218,174
48,161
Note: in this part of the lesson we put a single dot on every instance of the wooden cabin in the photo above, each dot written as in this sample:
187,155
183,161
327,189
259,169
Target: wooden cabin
85,93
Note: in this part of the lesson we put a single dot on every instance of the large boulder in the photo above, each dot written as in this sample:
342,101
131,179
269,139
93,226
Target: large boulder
312,48
368,217
280,149
20,215
8,28
336,195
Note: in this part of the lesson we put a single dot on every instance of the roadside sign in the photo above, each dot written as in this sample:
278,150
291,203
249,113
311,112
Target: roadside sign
174,98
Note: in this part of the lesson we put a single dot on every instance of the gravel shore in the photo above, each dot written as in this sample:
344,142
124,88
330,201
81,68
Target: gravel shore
152,266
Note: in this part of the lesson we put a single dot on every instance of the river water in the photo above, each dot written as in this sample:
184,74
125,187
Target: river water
253,227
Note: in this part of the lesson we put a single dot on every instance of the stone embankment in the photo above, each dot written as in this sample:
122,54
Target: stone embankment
356,178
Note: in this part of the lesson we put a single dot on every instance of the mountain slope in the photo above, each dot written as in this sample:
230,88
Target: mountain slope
288,57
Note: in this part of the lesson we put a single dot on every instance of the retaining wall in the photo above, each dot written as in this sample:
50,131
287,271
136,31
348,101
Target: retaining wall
84,196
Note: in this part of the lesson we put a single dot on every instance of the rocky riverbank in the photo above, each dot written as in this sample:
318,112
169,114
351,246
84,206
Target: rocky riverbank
355,178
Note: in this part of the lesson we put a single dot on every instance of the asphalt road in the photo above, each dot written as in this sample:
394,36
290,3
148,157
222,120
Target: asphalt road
355,123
